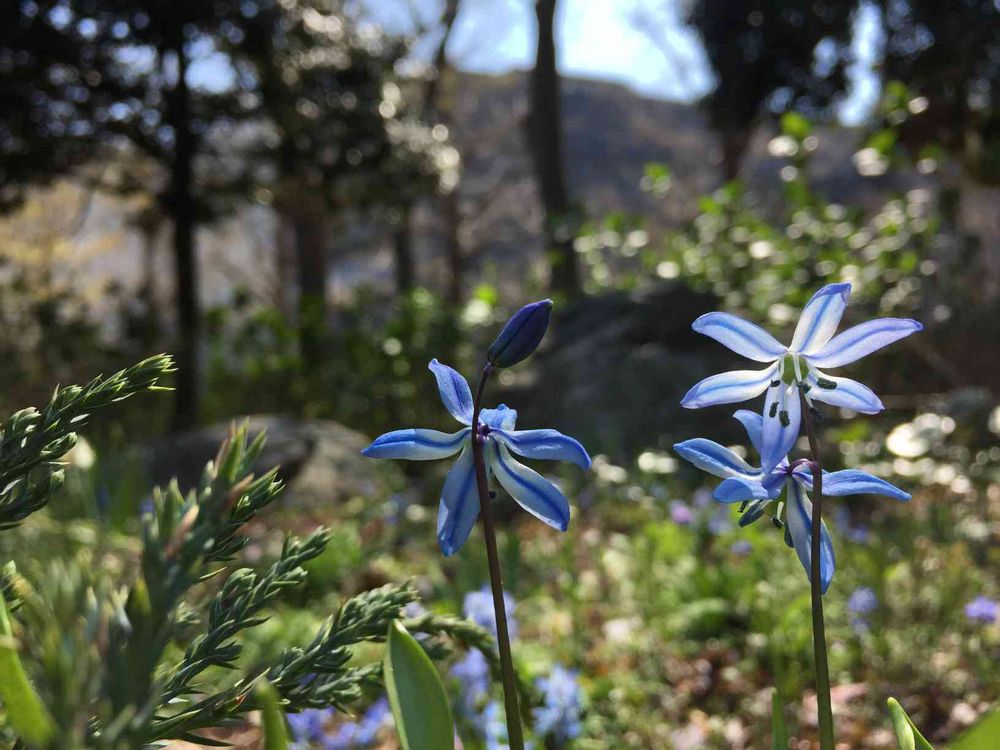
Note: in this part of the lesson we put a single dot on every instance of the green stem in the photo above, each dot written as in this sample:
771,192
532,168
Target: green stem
515,737
823,703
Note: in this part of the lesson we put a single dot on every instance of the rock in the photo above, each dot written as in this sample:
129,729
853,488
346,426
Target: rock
319,460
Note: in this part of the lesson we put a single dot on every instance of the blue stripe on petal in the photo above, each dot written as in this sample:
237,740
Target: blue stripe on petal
548,445
531,490
779,438
849,394
863,339
459,507
742,336
728,388
417,445
820,318
738,490
716,459
753,423
855,482
798,522
454,390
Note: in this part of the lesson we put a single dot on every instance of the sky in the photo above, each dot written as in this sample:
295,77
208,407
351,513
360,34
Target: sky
612,40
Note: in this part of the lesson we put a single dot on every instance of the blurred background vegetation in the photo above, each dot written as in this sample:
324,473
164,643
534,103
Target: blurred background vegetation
307,200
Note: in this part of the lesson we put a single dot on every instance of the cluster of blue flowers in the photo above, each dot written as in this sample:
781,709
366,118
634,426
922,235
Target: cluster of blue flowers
983,609
313,729
794,375
559,715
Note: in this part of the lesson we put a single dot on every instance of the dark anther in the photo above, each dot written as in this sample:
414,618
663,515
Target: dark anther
817,414
493,494
785,420
776,522
774,410
743,505
805,387
775,383
825,384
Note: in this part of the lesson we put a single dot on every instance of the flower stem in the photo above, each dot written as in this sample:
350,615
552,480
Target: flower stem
823,703
515,737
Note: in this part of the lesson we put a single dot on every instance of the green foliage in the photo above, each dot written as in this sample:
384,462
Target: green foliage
779,732
419,703
32,441
149,647
982,735
907,735
274,728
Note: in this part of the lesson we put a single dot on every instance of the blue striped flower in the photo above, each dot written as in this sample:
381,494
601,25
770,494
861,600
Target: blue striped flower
798,366
755,489
459,506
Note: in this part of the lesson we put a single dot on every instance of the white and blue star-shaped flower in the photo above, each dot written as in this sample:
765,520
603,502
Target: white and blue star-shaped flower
459,506
798,366
755,489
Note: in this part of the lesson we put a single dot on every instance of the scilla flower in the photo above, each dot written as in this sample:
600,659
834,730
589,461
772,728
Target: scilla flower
756,489
800,365
459,507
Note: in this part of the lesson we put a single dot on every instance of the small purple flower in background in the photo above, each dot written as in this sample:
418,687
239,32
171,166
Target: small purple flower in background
741,547
983,609
681,513
755,490
797,366
459,507
860,603
478,607
559,716
309,726
473,672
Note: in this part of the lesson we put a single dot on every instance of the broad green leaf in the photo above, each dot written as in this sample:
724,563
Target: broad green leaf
416,694
779,732
272,717
25,712
982,735
908,737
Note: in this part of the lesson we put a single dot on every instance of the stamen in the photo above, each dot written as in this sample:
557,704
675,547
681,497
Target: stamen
828,385
816,413
777,522
773,411
775,383
783,416
743,505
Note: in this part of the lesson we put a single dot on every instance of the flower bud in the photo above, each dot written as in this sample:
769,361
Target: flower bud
522,334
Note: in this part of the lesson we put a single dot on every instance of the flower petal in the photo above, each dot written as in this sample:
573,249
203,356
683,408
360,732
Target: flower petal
742,336
738,490
531,490
863,339
779,435
798,521
849,394
454,389
753,423
728,388
820,318
716,459
417,445
501,418
548,445
459,506
854,482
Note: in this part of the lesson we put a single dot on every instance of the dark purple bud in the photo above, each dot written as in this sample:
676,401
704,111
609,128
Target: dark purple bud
522,334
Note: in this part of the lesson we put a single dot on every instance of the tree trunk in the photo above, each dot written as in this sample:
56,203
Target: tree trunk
181,210
310,253
545,130
453,246
402,246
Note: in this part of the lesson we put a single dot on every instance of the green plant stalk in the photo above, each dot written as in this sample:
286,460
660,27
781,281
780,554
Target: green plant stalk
25,711
515,736
823,703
